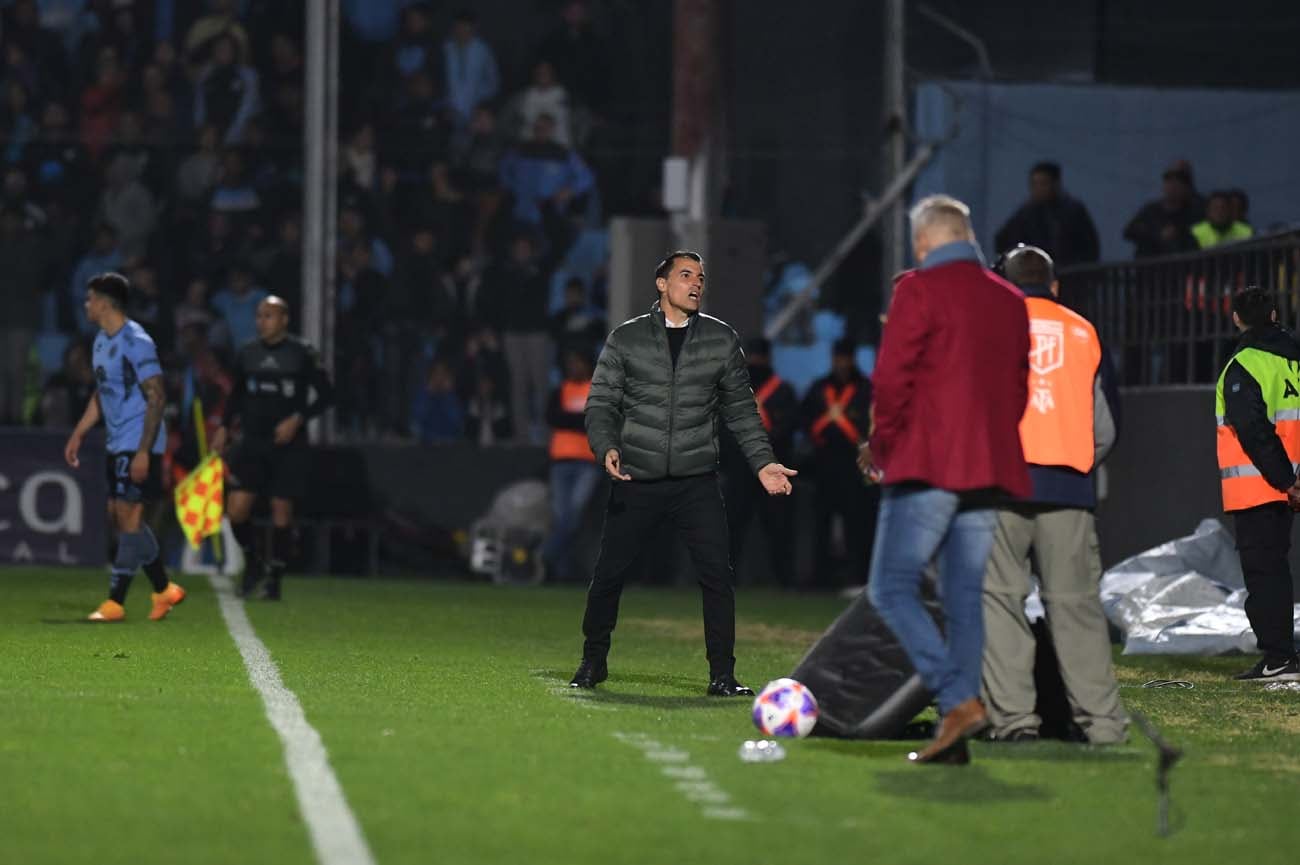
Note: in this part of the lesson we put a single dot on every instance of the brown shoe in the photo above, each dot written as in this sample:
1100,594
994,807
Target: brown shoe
949,745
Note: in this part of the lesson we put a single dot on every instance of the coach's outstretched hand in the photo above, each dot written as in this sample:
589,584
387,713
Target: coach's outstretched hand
776,479
613,466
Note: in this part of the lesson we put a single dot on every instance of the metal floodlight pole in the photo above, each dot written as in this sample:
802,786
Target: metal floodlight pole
895,150
697,120
831,263
978,44
330,226
900,173
320,142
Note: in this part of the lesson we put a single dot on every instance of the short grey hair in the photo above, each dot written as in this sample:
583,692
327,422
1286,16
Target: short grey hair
941,211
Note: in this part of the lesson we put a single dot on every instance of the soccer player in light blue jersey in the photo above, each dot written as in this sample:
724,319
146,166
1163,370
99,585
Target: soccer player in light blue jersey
129,397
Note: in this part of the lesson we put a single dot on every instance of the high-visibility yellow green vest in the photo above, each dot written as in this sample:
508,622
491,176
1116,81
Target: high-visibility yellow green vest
1207,235
1279,382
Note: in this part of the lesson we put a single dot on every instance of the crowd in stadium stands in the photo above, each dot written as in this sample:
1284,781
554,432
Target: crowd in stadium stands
1180,220
164,140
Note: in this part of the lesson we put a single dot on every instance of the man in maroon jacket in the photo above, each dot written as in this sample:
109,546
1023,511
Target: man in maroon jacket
950,388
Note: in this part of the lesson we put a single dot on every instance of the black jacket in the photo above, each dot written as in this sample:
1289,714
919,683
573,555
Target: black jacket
1145,229
663,418
1063,228
1245,411
273,382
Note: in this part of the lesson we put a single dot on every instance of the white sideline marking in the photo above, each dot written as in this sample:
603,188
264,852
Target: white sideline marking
577,696
574,695
335,833
692,782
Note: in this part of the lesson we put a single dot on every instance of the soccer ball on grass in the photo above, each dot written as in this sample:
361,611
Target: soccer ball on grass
785,708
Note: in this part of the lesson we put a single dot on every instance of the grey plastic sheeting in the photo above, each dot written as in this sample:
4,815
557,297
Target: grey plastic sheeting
1184,597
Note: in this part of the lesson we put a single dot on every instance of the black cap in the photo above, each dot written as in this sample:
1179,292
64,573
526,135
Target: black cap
844,348
112,285
759,345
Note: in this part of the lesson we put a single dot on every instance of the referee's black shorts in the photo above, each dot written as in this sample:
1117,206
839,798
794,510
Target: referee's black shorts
268,469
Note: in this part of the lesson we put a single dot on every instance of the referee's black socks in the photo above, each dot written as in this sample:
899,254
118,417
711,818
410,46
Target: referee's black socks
281,548
246,538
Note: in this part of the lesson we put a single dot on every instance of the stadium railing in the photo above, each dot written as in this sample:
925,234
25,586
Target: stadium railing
1167,321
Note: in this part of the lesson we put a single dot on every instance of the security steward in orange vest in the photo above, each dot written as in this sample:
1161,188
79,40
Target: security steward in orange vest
574,474
837,420
1258,407
1069,426
778,409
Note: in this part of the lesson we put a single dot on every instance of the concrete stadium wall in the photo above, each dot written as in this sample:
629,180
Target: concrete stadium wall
1162,478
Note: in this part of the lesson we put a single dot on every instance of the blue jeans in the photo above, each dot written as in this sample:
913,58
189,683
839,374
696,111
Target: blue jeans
572,485
917,524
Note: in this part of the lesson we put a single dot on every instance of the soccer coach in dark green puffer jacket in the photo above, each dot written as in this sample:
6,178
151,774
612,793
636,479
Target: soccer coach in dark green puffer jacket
663,382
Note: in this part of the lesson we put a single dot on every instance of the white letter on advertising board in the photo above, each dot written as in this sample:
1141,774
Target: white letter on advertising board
69,521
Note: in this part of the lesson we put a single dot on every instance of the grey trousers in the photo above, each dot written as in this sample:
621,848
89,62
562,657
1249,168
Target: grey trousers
530,357
1065,548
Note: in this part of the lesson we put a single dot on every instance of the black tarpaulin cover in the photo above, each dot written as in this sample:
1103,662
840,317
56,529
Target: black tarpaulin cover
865,686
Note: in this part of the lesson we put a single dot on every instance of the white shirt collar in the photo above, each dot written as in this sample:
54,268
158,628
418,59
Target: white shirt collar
686,323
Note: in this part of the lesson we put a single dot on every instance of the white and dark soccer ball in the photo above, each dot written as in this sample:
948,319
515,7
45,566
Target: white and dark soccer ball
785,708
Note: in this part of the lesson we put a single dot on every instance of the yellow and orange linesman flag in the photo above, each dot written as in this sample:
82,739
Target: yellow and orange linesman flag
199,500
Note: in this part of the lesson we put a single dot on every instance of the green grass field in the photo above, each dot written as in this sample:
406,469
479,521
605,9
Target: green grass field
443,710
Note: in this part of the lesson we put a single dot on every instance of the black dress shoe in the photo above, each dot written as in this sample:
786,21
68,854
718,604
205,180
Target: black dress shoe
248,582
727,686
589,674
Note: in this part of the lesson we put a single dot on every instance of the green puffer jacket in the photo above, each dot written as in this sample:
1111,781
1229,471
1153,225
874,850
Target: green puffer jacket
663,422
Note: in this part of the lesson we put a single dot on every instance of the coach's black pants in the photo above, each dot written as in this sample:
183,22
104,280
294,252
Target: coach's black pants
641,513
1263,542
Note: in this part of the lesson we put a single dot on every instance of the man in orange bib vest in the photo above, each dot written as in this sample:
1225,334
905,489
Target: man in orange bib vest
1258,407
837,420
778,409
574,473
1068,428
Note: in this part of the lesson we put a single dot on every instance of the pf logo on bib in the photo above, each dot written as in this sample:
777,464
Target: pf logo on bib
1047,351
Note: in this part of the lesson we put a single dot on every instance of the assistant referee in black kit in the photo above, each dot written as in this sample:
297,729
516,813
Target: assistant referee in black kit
275,376
663,382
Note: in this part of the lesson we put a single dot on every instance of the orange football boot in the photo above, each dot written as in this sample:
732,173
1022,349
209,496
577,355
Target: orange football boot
164,601
109,611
